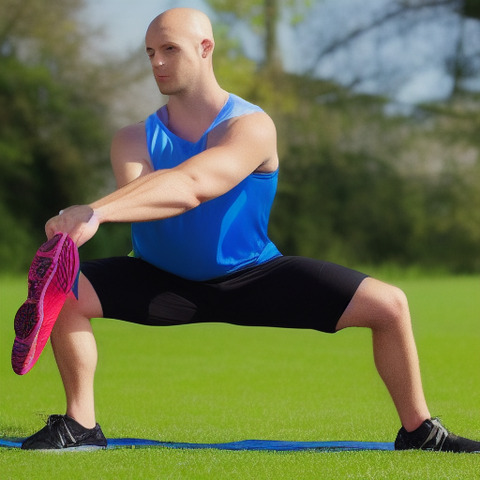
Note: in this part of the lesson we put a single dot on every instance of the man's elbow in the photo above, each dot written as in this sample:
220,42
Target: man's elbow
192,202
196,189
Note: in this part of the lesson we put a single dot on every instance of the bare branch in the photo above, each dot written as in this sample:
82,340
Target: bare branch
404,7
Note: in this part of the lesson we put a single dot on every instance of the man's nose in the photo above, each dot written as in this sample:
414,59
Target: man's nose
158,61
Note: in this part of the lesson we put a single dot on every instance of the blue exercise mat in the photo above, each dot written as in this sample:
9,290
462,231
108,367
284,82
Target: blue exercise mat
272,445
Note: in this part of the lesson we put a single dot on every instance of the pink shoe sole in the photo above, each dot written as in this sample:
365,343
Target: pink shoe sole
52,274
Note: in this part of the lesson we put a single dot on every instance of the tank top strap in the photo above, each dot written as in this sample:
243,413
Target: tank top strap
235,107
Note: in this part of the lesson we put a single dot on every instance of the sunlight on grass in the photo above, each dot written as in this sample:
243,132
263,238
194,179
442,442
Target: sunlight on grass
218,383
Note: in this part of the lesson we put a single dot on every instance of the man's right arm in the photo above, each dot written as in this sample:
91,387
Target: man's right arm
130,160
129,154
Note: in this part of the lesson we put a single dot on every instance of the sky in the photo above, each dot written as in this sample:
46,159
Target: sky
124,23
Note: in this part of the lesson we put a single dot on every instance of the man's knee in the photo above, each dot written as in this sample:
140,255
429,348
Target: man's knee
376,305
394,308
86,305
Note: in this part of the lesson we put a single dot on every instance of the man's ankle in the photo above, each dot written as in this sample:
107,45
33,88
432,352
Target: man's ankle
85,420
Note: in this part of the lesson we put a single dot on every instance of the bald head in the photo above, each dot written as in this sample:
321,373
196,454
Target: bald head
183,22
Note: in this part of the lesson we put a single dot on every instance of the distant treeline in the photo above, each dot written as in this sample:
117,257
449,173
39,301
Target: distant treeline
358,184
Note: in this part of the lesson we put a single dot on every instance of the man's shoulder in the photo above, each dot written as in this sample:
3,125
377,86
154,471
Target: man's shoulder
132,133
132,129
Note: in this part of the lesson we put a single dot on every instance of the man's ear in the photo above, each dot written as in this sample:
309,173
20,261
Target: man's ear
207,47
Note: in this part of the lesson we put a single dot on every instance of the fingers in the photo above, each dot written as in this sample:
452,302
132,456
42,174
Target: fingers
78,221
53,226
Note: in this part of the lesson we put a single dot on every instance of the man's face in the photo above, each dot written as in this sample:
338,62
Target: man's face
175,59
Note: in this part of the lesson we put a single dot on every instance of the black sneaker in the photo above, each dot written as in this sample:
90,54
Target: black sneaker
432,435
62,431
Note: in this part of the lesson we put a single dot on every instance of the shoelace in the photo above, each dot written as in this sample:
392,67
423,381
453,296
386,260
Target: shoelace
439,433
52,423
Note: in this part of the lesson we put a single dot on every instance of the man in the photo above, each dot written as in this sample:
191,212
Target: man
197,181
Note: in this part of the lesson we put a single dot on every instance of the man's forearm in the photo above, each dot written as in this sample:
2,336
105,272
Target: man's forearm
161,194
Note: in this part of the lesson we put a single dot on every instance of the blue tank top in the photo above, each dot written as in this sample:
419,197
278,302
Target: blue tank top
220,236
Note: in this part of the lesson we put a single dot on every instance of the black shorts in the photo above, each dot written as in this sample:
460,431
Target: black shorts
292,292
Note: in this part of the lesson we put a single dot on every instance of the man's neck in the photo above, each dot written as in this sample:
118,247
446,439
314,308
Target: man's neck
190,116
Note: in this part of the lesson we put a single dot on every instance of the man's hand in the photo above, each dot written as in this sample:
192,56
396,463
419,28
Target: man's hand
79,221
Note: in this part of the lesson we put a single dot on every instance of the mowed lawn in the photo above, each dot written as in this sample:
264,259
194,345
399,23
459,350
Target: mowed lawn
220,383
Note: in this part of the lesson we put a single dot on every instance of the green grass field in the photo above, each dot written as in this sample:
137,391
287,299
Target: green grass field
218,383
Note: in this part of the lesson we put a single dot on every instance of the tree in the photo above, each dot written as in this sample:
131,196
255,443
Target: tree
263,16
359,182
54,121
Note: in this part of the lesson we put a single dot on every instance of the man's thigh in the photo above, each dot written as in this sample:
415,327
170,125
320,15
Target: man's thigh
292,292
133,290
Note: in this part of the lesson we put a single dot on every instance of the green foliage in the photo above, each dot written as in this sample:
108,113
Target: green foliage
354,208
233,70
54,128
471,8
41,31
329,209
262,16
253,12
52,143
357,186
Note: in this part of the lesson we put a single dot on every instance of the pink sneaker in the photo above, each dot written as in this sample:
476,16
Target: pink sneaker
52,275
